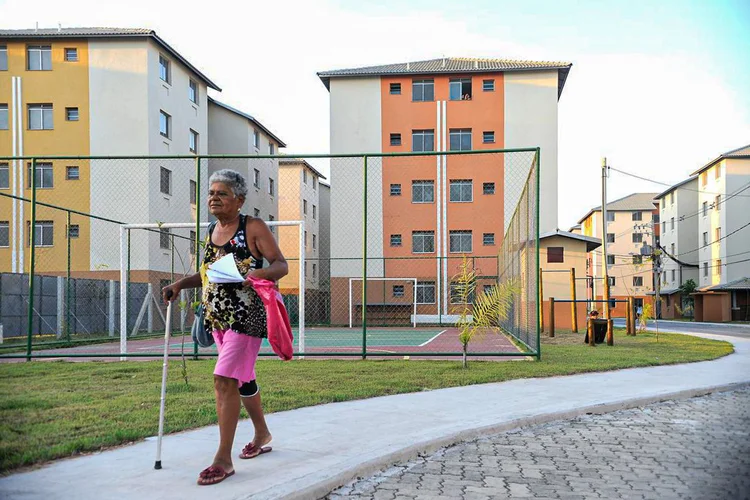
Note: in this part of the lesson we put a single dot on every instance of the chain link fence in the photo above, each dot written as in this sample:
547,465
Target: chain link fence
373,243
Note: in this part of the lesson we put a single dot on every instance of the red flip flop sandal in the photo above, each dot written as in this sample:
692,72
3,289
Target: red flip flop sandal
213,475
251,451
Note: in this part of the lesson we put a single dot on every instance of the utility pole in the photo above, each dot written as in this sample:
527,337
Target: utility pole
604,238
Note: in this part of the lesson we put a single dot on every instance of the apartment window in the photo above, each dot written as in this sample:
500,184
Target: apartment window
637,280
395,189
555,255
637,216
717,234
488,188
40,117
39,57
164,69
663,203
673,249
396,88
398,290
664,226
315,212
3,58
314,267
423,241
460,241
460,139
488,137
256,178
315,183
461,190
192,242
674,274
165,236
72,173
612,281
193,141
271,218
193,92
425,292
395,240
610,216
671,223
4,176
705,208
717,171
664,277
305,269
256,213
256,139
456,290
71,54
422,140
73,231
671,198
423,90
271,148
610,237
705,239
44,175
422,191
165,124
44,231
717,267
637,237
704,179
460,89
4,233
3,117
610,260
315,241
165,180
717,202
193,194
304,207
304,175
271,187
488,239
305,239
637,260
395,139
705,269
488,85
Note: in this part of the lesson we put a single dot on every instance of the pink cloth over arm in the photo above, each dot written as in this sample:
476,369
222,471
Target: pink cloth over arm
277,320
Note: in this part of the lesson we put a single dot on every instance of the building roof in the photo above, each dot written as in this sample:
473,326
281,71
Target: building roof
52,33
740,153
738,284
452,65
591,242
211,100
296,161
630,203
678,185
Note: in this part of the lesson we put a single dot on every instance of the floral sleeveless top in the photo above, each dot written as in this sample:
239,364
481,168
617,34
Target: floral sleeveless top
232,305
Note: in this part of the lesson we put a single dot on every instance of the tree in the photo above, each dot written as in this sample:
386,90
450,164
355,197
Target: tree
687,301
488,309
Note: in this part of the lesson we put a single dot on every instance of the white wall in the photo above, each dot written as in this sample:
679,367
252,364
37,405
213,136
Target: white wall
324,214
531,121
684,236
355,128
735,212
708,223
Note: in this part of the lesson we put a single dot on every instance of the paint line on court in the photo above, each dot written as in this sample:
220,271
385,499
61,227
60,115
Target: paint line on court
433,338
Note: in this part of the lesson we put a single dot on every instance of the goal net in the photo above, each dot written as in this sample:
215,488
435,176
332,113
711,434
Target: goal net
152,255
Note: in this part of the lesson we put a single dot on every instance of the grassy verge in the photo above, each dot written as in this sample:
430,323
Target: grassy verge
50,410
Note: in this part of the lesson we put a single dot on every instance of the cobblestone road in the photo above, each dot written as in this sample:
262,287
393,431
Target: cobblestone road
697,448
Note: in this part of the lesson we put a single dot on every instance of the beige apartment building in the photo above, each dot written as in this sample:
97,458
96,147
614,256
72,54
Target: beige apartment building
630,227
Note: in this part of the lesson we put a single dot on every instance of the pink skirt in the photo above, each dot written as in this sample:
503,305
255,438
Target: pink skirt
237,355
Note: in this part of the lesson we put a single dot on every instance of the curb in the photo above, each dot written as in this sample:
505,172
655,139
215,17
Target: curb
323,488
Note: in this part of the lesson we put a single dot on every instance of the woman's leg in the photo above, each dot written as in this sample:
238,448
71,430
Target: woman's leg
228,412
254,408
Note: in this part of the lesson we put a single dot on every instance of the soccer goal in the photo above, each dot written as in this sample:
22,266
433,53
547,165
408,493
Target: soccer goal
143,259
398,296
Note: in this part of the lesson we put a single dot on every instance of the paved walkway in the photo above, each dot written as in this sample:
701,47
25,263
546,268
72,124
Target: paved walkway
677,449
320,448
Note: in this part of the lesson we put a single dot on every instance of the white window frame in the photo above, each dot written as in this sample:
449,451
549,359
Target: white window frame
40,50
71,50
193,91
420,291
162,171
304,207
40,226
461,133
461,184
491,136
315,212
3,58
315,241
636,280
396,240
488,85
72,114
69,169
165,69
167,123
193,141
422,134
6,168
256,178
271,187
165,234
46,116
486,237
4,122
418,88
256,139
424,236
422,184
460,237
41,167
395,139
5,226
394,88
462,84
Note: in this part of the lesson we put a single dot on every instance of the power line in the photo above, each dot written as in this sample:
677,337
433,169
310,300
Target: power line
723,264
660,183
716,241
714,205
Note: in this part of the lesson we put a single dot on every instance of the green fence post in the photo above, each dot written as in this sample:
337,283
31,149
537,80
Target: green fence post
364,264
538,264
67,285
32,263
197,236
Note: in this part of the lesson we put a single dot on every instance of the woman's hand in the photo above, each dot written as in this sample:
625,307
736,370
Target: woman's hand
170,293
256,274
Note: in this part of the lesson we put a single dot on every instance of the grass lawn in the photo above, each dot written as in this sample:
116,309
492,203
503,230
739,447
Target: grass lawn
50,410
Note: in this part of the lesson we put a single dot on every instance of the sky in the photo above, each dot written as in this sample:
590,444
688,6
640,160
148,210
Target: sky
658,88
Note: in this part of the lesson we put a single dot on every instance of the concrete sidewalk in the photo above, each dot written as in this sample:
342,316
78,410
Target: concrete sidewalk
317,449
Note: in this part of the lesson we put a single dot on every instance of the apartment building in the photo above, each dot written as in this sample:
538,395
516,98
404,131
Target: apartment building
231,131
630,228
97,91
678,234
422,211
723,238
300,199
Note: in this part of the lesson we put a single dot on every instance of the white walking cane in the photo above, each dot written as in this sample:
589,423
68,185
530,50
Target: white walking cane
165,363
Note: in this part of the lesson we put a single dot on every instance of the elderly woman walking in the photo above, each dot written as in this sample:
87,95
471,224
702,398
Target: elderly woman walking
235,314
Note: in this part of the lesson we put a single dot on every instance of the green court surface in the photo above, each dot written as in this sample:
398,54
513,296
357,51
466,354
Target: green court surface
352,337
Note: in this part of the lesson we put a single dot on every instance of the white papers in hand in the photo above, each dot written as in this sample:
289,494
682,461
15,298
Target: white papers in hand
224,270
